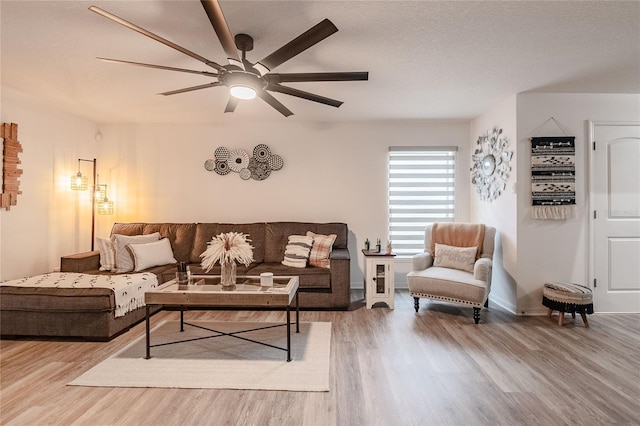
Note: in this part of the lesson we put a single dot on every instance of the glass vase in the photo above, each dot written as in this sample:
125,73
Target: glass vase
228,274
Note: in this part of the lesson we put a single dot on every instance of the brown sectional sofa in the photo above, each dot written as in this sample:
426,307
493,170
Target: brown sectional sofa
321,288
89,313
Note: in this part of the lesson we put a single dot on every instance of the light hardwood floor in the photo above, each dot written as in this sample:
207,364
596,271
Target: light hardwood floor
388,367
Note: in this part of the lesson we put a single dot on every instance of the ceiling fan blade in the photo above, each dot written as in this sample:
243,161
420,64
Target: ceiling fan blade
299,44
216,17
160,67
231,104
268,98
153,36
317,76
304,95
190,89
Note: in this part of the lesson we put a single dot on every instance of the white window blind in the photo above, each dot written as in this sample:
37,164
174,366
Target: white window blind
421,191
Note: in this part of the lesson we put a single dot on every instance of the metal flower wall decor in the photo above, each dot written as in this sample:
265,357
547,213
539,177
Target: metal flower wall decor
257,167
491,165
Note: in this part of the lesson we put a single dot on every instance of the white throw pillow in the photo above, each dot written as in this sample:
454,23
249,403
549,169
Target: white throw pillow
296,254
462,258
107,254
146,255
124,261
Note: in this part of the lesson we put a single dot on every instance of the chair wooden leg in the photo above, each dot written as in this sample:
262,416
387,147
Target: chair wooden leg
416,303
560,318
476,314
573,315
584,318
486,303
549,313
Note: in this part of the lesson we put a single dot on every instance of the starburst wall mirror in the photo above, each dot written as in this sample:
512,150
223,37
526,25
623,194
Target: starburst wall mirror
491,167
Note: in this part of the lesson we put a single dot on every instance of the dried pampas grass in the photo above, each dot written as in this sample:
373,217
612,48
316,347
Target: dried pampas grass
228,247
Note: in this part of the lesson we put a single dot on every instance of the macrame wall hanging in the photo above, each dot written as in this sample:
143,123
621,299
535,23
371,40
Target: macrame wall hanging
553,175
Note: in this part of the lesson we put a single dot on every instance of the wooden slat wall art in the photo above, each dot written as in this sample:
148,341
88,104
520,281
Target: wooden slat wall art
10,171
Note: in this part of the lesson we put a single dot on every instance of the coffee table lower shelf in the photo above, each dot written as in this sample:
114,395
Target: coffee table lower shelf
234,334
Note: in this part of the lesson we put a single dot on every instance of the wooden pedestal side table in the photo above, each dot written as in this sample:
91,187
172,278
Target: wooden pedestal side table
379,283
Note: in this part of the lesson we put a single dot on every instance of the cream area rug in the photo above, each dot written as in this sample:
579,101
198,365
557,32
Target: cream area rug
221,362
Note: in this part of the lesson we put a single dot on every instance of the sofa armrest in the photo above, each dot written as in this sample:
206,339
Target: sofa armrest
482,270
421,261
340,271
339,254
81,262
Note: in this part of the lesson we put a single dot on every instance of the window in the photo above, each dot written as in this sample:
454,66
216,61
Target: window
421,191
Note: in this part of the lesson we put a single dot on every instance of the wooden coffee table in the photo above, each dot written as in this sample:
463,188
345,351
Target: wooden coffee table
205,292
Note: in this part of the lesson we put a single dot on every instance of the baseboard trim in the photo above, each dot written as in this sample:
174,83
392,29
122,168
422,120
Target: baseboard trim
509,307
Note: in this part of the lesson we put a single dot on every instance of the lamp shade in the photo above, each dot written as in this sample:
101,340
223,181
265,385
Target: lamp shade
105,207
100,193
79,182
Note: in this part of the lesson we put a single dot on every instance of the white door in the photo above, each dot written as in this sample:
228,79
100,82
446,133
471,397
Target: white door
615,200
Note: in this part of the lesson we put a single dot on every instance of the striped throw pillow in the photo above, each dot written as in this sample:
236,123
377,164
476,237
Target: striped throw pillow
107,254
322,245
296,254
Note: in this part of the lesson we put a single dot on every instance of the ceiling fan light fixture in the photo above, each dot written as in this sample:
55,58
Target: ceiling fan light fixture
241,91
242,84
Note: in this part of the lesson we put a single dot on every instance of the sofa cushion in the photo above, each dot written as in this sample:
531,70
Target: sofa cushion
124,260
197,269
146,255
310,277
205,231
180,235
277,234
447,282
55,299
128,228
296,253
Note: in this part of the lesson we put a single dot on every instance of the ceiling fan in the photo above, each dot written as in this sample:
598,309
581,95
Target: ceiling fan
245,79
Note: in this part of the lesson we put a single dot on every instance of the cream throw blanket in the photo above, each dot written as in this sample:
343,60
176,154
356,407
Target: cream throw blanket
458,235
128,289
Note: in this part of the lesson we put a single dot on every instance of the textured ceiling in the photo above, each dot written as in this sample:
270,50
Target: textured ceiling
427,59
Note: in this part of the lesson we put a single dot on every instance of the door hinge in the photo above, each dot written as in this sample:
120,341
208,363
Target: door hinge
594,145
595,283
595,216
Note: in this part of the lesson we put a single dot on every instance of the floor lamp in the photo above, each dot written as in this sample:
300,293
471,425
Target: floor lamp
79,183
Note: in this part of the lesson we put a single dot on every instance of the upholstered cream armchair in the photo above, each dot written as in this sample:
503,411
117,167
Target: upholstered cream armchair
455,266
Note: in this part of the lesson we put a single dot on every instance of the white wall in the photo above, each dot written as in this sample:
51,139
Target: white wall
532,251
502,212
332,172
155,173
559,250
49,220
